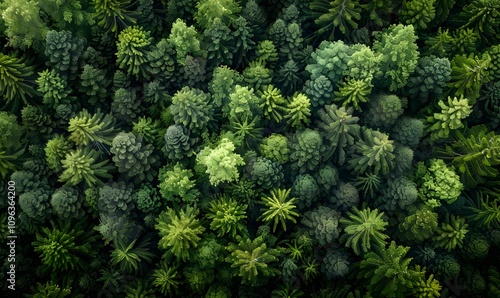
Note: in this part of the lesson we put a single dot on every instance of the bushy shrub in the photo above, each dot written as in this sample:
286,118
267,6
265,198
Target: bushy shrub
322,224
132,157
306,190
66,203
266,173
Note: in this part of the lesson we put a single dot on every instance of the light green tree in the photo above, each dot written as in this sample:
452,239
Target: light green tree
221,162
132,47
179,231
399,51
279,208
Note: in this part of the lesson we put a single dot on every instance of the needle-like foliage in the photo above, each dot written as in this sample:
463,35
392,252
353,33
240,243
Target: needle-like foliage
364,228
389,273
279,208
179,231
253,258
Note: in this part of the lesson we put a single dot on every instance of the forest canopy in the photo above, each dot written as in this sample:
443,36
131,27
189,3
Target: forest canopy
250,148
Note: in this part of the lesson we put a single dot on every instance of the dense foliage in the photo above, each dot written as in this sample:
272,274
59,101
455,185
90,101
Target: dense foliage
251,148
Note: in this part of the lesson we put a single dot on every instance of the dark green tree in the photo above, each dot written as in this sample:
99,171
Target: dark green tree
126,106
67,203
218,42
266,173
330,59
192,108
332,15
322,224
94,84
116,198
418,13
389,273
178,143
130,258
64,52
113,15
306,189
429,80
340,128
63,248
481,16
17,83
375,152
132,157
306,150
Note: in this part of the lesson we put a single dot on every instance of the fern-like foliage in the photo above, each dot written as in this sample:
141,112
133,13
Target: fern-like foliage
113,15
487,214
363,228
427,288
476,155
482,17
298,111
279,208
368,183
64,248
9,161
51,290
332,15
253,258
16,81
166,278
468,73
389,272
132,46
273,103
130,258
